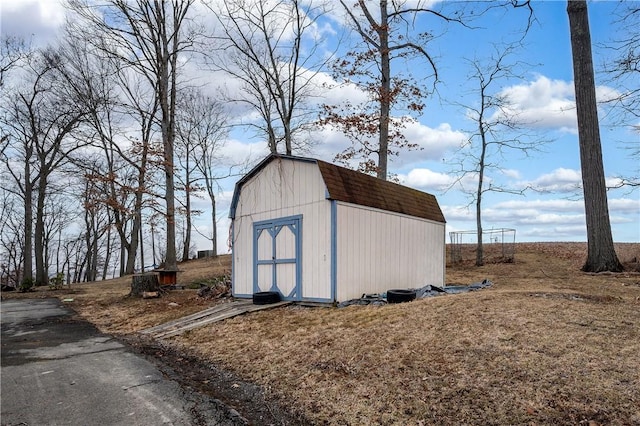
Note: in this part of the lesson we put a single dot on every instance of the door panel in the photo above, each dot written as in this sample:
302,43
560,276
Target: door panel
286,273
265,245
286,243
277,249
265,278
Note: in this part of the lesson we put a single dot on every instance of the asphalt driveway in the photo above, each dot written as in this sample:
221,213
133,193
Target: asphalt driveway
57,369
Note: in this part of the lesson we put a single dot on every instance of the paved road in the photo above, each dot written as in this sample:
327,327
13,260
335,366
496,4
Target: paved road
59,370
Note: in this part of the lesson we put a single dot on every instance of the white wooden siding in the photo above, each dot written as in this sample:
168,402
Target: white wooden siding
286,188
379,250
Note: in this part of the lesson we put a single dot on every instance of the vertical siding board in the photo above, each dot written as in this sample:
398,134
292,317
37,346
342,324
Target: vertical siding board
334,249
381,250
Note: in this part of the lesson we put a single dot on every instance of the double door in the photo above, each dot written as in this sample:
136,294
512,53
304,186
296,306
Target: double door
276,256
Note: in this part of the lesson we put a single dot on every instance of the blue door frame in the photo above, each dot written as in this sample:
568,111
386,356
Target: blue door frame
272,228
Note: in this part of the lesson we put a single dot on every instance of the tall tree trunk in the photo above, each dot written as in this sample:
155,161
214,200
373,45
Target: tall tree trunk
28,219
385,91
107,254
601,255
88,222
58,251
170,253
123,257
136,231
94,257
38,235
167,90
481,169
187,188
153,243
214,224
214,229
141,244
480,247
288,144
131,249
187,231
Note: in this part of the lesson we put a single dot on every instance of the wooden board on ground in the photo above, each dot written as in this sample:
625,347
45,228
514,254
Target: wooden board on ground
208,316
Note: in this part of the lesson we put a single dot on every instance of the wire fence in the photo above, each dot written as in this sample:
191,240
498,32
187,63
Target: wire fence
498,245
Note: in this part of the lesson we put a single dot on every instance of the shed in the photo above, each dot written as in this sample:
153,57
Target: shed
318,232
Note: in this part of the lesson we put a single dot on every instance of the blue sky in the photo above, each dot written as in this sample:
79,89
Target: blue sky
544,96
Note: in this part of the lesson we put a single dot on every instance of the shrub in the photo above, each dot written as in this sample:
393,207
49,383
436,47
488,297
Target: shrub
26,285
55,283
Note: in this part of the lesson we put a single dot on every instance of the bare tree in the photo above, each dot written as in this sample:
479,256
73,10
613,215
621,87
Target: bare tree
96,216
188,182
60,213
497,130
148,36
12,50
387,32
203,123
115,99
39,118
383,29
624,70
11,235
270,48
601,254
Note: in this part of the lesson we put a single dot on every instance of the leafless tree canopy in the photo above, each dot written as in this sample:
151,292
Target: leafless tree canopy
147,36
202,131
388,32
497,130
271,48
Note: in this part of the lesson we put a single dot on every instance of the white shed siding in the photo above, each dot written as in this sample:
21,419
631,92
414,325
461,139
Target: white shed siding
283,189
376,251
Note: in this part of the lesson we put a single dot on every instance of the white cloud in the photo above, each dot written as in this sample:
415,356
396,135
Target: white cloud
458,213
551,219
557,212
511,173
542,205
238,152
543,103
336,94
427,179
613,182
548,104
432,142
327,143
559,180
563,180
555,233
625,205
606,94
36,21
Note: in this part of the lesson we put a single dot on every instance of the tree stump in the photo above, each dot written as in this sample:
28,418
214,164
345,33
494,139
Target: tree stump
144,283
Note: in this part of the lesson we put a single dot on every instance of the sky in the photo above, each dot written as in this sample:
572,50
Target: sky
551,208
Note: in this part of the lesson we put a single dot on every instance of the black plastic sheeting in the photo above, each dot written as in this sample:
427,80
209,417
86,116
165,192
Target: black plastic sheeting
422,292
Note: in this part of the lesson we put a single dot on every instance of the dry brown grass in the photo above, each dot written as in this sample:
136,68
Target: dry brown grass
546,344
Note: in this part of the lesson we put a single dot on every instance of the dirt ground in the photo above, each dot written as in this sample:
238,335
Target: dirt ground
546,344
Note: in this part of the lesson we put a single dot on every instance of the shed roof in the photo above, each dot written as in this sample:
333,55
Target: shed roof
358,188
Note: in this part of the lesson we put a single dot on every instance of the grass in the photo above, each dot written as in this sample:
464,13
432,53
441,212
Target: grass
547,344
